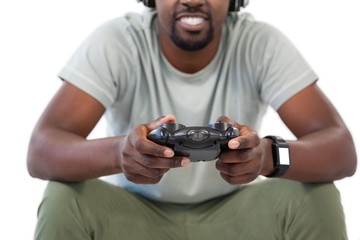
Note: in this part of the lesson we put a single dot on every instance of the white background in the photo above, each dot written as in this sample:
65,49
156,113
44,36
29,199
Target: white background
37,37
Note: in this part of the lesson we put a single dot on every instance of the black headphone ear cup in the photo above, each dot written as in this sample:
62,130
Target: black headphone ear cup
149,3
235,5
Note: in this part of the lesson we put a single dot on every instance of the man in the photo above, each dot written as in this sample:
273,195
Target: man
193,62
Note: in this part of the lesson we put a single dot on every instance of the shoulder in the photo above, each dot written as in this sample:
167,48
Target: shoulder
255,38
245,25
126,26
120,38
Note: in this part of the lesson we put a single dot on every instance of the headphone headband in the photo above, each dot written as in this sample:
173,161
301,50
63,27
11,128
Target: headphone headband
234,6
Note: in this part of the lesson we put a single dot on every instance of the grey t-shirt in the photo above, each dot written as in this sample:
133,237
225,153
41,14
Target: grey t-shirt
122,66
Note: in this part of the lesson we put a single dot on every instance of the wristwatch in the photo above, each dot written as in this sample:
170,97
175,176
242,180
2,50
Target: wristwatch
281,156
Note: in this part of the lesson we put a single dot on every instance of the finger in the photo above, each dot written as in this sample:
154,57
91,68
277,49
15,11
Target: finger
235,143
164,163
237,169
236,156
134,169
150,172
242,179
231,169
153,149
141,179
139,141
161,120
248,138
153,155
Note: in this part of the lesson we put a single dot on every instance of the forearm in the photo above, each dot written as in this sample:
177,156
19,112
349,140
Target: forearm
62,156
323,156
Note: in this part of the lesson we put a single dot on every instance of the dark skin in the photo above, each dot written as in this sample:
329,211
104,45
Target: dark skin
59,150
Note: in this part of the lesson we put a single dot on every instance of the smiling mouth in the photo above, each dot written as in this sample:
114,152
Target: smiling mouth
192,24
192,21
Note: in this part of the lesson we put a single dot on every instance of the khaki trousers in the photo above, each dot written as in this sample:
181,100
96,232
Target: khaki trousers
273,209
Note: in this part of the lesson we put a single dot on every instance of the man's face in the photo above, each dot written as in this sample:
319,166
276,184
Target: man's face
191,24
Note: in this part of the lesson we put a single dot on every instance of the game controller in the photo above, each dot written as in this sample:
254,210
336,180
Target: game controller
197,143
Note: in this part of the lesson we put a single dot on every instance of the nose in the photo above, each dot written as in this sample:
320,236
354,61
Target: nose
192,3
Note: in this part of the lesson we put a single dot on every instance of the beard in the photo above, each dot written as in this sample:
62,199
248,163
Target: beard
194,42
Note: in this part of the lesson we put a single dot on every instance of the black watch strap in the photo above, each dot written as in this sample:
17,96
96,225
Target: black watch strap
281,156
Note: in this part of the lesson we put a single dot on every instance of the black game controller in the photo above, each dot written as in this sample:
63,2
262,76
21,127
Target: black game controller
197,143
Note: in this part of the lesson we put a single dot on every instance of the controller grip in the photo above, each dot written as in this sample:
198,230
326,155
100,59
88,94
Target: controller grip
159,135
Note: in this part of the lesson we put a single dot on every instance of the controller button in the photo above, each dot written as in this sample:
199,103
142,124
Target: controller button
198,135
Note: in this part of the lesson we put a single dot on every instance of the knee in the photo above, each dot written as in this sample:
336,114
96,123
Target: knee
319,195
319,210
313,192
315,198
60,200
59,194
72,198
61,212
323,199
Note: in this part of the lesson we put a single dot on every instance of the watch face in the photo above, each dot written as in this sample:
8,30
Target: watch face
284,156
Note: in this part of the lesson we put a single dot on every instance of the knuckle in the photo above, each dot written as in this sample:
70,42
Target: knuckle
158,151
175,162
138,145
131,177
126,167
149,161
131,138
235,170
245,141
228,179
229,170
155,173
256,139
249,177
232,181
156,180
242,179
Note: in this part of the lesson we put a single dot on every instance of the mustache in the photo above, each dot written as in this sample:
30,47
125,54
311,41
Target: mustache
192,10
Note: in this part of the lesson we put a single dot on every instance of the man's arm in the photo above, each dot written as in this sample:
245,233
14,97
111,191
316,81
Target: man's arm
323,151
59,150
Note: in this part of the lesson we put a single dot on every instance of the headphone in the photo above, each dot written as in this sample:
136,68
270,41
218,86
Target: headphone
234,6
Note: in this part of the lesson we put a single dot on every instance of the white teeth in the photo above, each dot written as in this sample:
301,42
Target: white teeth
192,20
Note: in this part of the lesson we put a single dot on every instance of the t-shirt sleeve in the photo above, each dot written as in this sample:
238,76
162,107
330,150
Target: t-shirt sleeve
101,65
281,70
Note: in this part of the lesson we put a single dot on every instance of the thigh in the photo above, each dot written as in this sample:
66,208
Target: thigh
98,210
273,209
